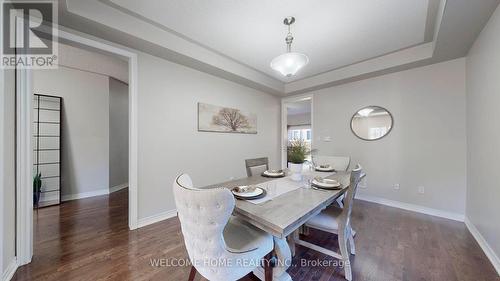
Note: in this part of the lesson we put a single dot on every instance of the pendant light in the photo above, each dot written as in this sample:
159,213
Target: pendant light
289,63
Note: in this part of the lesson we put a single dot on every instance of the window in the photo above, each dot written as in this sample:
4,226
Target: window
376,133
299,134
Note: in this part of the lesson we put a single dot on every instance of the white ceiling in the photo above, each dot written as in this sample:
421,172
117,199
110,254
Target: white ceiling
333,33
347,40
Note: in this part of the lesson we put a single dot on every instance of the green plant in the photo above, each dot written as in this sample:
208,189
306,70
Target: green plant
297,151
37,186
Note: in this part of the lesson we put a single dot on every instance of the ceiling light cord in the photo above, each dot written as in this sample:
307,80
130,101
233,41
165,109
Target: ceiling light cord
289,37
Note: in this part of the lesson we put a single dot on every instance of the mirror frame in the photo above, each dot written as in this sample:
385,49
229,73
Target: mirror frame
388,132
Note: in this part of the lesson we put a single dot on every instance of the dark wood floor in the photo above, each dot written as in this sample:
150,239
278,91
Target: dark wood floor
89,240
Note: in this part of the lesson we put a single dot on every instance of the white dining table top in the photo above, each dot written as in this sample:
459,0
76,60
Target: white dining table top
283,214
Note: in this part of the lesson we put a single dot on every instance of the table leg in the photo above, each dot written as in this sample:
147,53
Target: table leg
291,241
284,260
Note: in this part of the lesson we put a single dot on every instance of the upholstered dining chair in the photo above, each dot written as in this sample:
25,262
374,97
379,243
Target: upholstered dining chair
338,221
256,166
339,163
220,246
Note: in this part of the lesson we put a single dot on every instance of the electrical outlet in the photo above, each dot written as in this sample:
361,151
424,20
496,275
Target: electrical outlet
327,139
396,186
421,189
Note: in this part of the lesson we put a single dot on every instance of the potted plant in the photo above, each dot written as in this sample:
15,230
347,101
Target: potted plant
297,153
37,188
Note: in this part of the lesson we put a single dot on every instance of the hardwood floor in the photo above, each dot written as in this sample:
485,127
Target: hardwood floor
88,239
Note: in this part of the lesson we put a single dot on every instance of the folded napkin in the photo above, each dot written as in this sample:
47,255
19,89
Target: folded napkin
325,168
273,173
247,191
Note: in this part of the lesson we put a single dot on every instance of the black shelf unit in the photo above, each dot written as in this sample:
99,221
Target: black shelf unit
47,144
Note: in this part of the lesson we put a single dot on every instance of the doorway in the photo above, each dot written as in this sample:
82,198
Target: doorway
297,123
24,148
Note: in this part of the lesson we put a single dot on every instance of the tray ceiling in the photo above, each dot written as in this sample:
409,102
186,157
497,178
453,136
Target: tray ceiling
332,33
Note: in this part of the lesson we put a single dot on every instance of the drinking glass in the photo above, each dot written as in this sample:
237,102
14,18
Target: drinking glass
307,174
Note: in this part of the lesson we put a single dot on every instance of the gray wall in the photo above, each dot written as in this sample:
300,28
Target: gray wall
118,133
8,179
169,143
425,148
85,127
483,133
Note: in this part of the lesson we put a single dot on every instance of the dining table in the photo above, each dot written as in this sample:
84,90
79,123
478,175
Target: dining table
288,206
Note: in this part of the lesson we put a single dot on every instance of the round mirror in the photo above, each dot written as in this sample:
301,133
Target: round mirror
371,123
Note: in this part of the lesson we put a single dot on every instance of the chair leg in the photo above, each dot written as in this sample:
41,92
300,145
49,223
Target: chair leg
192,274
304,230
351,244
268,269
345,254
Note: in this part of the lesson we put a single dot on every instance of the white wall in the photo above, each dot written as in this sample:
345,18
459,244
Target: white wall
118,133
85,126
483,134
95,61
426,146
299,119
83,80
169,143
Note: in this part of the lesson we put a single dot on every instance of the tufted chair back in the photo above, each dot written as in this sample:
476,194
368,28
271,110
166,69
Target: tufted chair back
203,214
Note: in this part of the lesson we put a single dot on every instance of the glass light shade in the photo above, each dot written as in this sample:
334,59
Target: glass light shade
289,63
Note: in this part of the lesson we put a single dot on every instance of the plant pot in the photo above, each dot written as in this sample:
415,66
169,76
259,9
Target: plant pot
296,170
36,198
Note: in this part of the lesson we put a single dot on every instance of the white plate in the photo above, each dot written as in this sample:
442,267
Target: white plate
258,191
267,173
327,183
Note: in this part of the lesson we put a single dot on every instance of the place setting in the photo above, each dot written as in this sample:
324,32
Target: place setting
325,184
248,192
324,168
274,174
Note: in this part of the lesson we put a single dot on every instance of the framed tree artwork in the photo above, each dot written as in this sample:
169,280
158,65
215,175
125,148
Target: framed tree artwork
213,118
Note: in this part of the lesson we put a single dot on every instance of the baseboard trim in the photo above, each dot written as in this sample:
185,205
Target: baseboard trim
98,192
10,270
157,218
82,195
488,251
118,187
412,207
